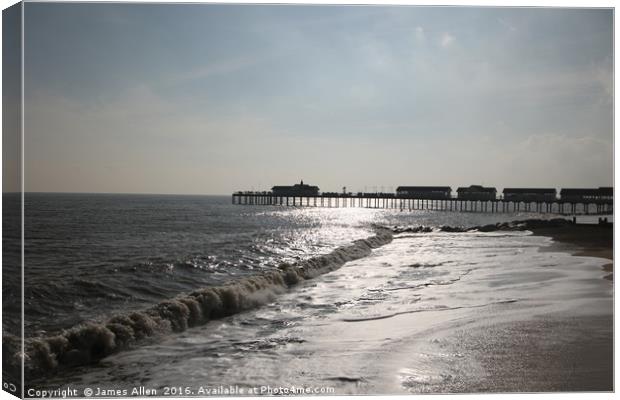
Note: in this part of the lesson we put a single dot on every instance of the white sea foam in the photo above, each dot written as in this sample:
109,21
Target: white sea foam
90,342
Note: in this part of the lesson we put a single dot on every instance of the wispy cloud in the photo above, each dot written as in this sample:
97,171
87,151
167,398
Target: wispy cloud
420,35
214,69
447,39
507,25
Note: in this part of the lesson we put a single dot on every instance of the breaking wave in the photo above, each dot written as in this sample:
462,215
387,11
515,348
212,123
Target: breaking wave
89,342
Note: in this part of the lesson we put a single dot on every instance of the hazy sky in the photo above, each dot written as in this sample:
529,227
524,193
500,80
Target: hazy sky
216,98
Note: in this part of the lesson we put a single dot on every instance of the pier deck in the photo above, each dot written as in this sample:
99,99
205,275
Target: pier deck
389,201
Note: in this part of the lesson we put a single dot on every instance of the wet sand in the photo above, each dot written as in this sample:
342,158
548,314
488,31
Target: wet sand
551,353
583,240
563,352
569,349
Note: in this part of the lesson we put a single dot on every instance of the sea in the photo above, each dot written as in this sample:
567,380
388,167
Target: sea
195,296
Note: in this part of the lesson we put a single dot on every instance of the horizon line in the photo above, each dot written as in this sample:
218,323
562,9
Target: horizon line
116,193
235,191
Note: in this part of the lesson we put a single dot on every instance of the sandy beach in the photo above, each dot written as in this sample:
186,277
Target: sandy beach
586,240
561,348
557,352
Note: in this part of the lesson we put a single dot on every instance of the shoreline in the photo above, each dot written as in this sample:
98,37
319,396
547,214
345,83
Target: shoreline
578,360
553,349
582,240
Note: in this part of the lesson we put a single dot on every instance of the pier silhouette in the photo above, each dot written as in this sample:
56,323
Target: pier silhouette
475,198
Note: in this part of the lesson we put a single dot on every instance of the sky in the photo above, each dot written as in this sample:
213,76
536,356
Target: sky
210,99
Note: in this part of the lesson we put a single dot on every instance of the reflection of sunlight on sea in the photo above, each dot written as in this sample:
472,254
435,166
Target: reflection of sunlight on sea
329,227
324,229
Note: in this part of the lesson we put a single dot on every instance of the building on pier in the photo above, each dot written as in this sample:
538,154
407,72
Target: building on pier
373,195
530,194
297,190
477,192
593,195
606,193
424,192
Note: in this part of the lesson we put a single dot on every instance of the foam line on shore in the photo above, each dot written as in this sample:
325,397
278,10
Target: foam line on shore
386,316
89,342
426,284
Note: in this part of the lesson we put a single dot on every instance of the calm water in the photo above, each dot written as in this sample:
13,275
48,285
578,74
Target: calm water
91,257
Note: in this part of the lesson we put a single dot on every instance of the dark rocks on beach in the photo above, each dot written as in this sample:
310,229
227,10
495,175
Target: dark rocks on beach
487,228
521,225
524,225
447,228
413,229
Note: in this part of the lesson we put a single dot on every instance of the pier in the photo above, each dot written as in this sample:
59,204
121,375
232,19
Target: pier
393,201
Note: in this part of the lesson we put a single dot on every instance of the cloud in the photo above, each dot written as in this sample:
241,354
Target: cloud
218,68
420,35
507,25
447,39
539,160
563,160
603,75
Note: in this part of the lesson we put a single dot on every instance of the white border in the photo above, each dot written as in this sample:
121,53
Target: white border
478,3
